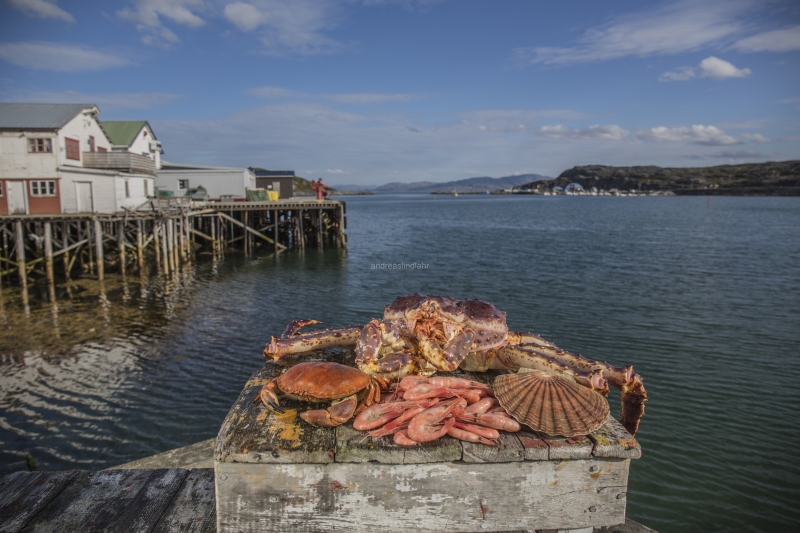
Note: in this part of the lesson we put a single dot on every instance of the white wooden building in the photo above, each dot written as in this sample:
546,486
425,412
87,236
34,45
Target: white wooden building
226,183
57,158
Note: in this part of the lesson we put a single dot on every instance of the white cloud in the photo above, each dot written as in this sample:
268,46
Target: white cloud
335,171
681,74
59,57
679,27
372,98
246,17
611,132
273,92
784,40
147,17
698,134
42,9
710,67
715,67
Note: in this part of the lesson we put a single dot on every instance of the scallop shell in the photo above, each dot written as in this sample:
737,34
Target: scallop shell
550,403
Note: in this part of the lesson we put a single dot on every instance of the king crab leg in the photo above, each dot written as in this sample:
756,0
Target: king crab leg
292,342
633,395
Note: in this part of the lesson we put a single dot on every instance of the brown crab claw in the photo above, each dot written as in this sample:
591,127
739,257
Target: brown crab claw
269,398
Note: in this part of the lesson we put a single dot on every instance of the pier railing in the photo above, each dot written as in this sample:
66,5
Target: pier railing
134,163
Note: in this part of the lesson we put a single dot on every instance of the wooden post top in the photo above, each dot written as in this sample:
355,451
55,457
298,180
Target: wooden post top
253,433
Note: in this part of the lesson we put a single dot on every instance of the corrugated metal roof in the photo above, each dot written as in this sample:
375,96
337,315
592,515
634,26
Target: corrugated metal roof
124,132
263,173
39,116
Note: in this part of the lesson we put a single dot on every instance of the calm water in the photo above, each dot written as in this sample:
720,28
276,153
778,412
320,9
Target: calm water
703,298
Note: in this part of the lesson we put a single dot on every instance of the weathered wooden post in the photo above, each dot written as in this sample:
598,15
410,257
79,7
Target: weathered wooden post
121,246
164,246
48,253
213,225
275,230
319,229
139,250
170,244
156,243
302,232
98,243
21,268
65,244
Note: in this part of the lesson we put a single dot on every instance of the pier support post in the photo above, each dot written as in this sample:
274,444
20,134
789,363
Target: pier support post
98,249
319,229
213,224
21,268
48,260
139,251
121,245
156,243
48,252
302,232
164,251
275,230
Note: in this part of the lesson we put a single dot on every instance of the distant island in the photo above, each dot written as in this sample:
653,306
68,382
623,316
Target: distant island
751,179
465,186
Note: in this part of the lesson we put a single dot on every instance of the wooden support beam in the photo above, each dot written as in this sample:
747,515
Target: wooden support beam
164,247
121,246
139,247
23,272
98,244
48,253
275,229
156,244
203,235
254,232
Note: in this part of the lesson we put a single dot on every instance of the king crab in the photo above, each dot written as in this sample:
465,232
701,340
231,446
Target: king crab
425,334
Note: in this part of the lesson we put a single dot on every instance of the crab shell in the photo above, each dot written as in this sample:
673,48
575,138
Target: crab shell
322,381
435,321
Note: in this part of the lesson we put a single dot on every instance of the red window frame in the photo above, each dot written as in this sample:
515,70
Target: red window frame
1,188
40,145
73,149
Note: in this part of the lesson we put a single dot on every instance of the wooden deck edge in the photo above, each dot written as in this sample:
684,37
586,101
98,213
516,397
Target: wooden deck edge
628,527
197,455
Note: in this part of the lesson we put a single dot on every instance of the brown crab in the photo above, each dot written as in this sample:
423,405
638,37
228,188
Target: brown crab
342,385
424,334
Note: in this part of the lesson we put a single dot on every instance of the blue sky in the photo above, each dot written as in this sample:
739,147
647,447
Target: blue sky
373,91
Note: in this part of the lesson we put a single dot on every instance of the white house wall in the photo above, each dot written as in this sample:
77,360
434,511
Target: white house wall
217,182
16,162
141,144
80,128
136,187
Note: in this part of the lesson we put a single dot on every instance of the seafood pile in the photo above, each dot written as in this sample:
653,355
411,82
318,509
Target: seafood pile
421,335
425,409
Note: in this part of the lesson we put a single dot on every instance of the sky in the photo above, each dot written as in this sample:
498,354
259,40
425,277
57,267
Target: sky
374,91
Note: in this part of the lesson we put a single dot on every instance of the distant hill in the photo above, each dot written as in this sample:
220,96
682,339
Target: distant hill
768,179
466,185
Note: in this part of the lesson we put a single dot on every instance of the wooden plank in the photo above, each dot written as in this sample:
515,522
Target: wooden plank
533,445
253,433
565,449
111,500
24,494
629,526
193,509
254,232
613,440
509,450
444,497
197,455
353,447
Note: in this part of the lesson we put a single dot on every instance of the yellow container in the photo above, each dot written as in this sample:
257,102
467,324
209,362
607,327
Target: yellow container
274,196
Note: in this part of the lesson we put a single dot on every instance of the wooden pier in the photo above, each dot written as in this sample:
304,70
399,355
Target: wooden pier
163,237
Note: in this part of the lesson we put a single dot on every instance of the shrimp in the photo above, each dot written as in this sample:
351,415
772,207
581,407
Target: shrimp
493,420
410,381
426,390
488,433
401,422
455,383
462,434
402,438
481,406
426,426
377,415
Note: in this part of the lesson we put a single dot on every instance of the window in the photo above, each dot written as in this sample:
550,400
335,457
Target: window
91,143
40,146
127,189
73,149
43,188
183,185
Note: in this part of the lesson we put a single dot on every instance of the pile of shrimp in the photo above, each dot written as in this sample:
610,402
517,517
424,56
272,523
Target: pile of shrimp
425,409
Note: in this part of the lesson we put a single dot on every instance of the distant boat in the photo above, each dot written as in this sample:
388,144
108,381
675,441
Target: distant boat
454,193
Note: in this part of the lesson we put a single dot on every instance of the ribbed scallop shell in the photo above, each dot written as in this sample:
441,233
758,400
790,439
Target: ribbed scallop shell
550,403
